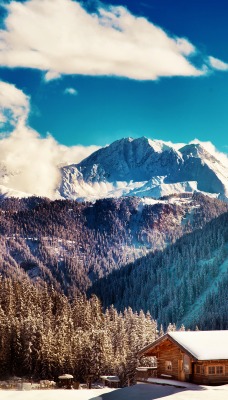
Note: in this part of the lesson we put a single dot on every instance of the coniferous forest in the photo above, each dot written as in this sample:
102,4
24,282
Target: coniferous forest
43,334
83,286
185,283
71,245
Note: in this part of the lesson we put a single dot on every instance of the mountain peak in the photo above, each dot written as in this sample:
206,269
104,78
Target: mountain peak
123,140
142,166
193,150
129,160
157,145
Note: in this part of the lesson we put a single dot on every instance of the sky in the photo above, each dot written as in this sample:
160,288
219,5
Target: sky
88,73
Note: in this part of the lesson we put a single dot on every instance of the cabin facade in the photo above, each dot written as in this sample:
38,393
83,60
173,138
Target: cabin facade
199,357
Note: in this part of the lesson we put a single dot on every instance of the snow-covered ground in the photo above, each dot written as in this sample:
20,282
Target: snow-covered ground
54,394
137,392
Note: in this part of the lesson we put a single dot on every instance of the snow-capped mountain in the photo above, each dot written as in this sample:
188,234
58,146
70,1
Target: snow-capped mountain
145,168
128,167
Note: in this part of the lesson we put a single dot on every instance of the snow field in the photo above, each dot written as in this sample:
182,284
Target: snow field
54,394
137,392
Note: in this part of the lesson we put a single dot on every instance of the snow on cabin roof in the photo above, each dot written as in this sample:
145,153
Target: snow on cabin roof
203,345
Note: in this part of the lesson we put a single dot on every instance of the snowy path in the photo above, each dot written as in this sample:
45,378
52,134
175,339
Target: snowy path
137,392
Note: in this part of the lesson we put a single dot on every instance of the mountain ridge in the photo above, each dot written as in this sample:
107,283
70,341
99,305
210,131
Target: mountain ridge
71,244
127,165
139,167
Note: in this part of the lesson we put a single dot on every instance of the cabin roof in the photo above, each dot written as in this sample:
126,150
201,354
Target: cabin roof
201,345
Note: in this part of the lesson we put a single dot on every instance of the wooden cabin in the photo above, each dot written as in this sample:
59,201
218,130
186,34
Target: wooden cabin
199,357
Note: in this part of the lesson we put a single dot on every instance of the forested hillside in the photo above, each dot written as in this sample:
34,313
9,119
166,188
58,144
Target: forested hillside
69,244
186,283
44,335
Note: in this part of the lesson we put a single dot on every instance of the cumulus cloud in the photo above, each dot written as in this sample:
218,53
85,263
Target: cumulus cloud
61,37
14,104
71,91
218,64
28,162
51,75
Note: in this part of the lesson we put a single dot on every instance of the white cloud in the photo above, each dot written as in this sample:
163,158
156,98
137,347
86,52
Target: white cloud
30,162
61,37
71,91
3,118
14,104
215,63
51,75
176,146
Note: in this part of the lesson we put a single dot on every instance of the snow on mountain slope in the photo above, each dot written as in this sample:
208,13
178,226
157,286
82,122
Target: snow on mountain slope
7,192
143,167
130,159
151,189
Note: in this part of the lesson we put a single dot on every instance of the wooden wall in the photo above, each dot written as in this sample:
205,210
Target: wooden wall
207,379
168,351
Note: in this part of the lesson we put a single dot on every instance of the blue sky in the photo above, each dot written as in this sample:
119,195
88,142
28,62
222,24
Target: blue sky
79,101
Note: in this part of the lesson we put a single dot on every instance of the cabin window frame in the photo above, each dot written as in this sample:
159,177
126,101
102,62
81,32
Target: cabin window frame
218,370
198,369
168,365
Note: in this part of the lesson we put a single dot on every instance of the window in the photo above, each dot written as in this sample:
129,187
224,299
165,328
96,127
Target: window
198,369
211,370
168,366
219,370
216,370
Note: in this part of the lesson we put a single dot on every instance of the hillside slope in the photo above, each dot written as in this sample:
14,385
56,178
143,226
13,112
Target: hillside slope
185,284
70,244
